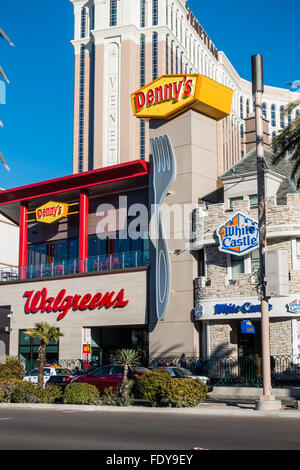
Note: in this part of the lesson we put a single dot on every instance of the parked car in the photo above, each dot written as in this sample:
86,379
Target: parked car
109,376
61,379
50,371
182,373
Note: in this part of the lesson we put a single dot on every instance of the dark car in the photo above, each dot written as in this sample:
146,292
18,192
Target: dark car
62,378
182,373
109,376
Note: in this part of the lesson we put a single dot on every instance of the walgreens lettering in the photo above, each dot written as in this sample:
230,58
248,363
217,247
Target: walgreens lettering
40,302
171,91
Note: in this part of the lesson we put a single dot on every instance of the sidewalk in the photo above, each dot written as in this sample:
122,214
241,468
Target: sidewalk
287,394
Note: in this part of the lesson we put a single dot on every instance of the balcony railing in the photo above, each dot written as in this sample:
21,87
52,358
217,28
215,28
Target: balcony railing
92,264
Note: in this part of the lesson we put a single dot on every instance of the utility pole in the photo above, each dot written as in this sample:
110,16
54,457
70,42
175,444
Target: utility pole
267,400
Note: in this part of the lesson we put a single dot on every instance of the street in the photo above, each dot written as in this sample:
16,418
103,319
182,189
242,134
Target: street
36,429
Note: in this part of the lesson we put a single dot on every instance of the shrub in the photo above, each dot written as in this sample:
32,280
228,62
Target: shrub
7,387
186,392
111,397
27,392
19,391
12,368
81,394
153,385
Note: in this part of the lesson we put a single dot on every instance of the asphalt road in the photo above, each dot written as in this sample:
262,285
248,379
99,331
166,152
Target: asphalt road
24,429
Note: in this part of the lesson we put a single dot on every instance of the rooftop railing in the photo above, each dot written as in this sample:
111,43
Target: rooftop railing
92,264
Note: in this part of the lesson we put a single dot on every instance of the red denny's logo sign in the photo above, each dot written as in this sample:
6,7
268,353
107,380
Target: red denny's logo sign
40,302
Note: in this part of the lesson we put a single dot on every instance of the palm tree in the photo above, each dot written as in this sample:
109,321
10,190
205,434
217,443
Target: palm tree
2,74
127,358
287,142
45,333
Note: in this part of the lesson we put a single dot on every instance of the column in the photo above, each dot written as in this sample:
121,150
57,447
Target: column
83,231
23,236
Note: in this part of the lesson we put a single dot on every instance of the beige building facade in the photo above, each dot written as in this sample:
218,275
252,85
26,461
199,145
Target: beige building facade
121,45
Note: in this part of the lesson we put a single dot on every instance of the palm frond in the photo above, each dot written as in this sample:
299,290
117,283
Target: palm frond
2,73
4,162
4,36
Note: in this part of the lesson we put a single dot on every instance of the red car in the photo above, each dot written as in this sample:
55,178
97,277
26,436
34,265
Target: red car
109,376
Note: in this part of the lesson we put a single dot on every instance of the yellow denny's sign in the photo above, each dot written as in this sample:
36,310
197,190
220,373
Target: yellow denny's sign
51,212
170,95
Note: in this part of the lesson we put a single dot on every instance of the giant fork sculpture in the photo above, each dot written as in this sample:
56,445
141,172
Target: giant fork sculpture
164,173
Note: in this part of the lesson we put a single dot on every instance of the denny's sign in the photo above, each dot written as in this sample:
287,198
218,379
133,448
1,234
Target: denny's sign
171,95
51,212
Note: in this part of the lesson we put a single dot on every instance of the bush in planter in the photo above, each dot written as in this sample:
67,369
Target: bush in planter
153,386
7,387
12,368
81,394
111,397
186,392
27,392
19,391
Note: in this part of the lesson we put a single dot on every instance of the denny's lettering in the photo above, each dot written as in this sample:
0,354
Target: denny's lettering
40,302
51,212
171,95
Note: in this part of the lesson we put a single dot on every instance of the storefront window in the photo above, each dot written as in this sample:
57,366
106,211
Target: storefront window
29,348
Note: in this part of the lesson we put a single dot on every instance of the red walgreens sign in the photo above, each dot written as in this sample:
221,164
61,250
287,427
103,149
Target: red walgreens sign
40,302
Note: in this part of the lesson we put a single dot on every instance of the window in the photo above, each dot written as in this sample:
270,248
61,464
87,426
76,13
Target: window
273,115
242,107
154,56
83,23
253,201
264,110
296,253
237,266
167,54
282,123
29,348
248,108
155,13
234,199
142,14
255,262
113,12
81,110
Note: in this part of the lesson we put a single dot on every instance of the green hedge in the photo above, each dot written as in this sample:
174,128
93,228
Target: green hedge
81,394
12,368
157,385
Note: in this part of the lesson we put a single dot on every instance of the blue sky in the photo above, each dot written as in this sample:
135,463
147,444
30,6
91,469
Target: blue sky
38,116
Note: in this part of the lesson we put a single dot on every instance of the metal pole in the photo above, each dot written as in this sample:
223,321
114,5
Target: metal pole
258,90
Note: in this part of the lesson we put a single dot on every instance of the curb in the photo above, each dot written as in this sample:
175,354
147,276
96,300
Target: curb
204,409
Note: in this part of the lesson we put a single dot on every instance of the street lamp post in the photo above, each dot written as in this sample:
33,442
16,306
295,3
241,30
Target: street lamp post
267,400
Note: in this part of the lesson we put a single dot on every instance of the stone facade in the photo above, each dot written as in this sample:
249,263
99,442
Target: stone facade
283,228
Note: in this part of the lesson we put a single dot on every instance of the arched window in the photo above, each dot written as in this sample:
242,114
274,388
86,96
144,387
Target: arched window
113,13
154,12
177,61
181,62
154,56
273,115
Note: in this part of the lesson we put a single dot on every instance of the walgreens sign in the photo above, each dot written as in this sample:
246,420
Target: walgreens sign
39,301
